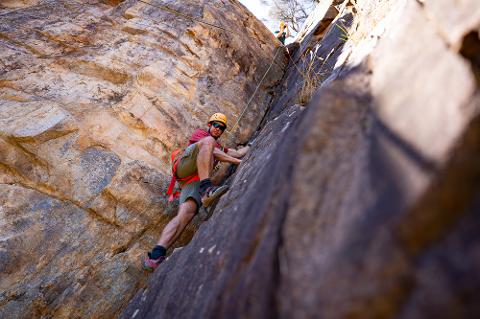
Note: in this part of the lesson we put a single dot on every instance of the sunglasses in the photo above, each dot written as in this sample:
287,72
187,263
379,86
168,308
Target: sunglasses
219,126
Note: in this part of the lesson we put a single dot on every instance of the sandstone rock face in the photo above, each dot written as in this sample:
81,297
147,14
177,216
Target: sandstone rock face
364,203
94,96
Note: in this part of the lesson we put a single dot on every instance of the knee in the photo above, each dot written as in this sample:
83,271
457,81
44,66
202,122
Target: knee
208,141
187,210
186,216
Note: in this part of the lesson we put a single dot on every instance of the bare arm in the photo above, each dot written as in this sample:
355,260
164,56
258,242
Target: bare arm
224,157
238,153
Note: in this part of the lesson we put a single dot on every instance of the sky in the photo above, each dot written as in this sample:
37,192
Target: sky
261,8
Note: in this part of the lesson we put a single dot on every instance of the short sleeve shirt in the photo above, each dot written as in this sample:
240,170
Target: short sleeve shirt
282,37
199,134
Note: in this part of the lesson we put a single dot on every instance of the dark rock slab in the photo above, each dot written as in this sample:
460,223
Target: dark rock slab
236,273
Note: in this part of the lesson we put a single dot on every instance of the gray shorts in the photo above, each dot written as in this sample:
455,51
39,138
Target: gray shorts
192,191
187,166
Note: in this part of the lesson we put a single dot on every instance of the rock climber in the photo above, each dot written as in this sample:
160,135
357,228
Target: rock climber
192,169
283,33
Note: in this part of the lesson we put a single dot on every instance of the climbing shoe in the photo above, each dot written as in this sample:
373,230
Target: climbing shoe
150,264
213,193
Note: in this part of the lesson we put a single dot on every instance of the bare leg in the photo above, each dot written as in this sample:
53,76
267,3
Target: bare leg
175,227
205,157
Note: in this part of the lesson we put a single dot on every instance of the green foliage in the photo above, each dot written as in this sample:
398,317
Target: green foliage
344,34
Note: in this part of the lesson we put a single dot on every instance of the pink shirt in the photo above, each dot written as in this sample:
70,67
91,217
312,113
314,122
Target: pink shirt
199,134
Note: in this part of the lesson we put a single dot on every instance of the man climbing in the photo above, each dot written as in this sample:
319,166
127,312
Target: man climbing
283,33
192,169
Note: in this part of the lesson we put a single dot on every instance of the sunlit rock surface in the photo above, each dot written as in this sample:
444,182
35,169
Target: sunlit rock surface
94,96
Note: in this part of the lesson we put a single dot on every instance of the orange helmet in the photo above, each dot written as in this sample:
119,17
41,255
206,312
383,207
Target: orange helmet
218,117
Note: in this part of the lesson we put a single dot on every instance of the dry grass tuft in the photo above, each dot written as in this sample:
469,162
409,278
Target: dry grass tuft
312,75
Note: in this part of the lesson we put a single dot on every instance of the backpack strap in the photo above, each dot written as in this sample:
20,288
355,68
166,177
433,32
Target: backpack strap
172,195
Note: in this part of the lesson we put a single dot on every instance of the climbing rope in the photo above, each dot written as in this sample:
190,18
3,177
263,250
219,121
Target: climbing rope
187,17
253,95
184,16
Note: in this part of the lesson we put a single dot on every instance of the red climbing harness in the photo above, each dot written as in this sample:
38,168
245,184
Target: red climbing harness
184,180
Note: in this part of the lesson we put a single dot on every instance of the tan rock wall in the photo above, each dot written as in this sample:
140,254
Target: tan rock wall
93,98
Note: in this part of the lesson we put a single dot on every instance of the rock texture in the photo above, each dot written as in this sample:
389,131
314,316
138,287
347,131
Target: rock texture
94,96
363,204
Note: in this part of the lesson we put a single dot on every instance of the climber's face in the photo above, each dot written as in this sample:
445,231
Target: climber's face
216,129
